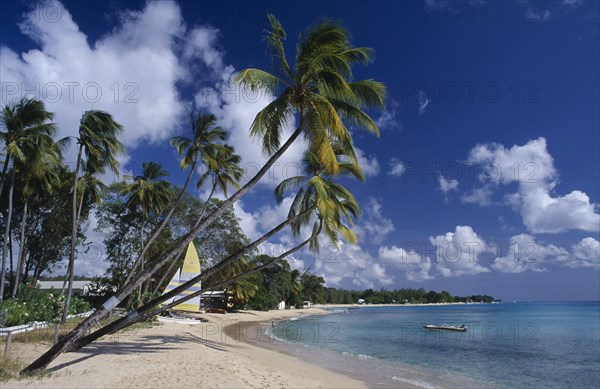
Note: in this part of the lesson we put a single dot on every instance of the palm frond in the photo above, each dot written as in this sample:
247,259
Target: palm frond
258,80
274,39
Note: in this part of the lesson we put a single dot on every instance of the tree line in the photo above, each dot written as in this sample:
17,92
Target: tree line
399,296
266,289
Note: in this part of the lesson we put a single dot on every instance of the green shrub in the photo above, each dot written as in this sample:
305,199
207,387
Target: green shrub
78,305
15,313
31,304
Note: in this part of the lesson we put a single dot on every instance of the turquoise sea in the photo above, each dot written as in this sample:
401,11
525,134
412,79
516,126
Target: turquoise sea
508,345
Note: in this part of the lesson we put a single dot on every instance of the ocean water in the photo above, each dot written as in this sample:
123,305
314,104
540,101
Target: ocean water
508,345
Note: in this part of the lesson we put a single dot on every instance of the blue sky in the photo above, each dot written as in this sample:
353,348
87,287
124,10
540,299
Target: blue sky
484,180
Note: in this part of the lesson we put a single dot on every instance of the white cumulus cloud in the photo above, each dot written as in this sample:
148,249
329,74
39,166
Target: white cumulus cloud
458,253
130,72
532,167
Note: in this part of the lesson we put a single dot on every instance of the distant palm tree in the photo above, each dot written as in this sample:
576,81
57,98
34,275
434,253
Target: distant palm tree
223,170
25,125
295,287
206,136
38,174
241,290
150,193
99,145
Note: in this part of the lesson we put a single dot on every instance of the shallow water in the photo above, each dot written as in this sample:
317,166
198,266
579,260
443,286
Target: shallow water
522,345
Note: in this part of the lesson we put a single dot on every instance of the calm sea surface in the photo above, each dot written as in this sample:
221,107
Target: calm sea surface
509,345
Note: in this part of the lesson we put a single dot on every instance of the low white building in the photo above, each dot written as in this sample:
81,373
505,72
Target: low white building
79,287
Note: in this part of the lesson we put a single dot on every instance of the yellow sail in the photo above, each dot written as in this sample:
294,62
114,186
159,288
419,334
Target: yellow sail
189,270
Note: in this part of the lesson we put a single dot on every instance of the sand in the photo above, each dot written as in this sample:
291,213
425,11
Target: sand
222,353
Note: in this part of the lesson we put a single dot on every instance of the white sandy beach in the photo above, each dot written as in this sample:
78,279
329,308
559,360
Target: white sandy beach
174,355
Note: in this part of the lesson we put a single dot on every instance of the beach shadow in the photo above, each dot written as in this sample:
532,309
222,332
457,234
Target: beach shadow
67,364
210,343
139,345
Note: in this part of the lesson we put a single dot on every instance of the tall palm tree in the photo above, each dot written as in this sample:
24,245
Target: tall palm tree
39,173
25,126
150,193
223,170
24,120
99,145
204,143
319,89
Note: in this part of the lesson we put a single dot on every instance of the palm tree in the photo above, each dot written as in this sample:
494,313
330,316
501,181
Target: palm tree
25,125
318,193
243,289
150,193
24,120
295,287
99,144
317,188
203,144
89,190
223,170
319,90
38,174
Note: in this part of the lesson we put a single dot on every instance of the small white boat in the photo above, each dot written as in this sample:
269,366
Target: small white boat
180,319
445,327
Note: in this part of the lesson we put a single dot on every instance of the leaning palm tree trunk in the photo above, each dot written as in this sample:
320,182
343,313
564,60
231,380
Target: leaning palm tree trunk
7,233
66,342
21,257
147,311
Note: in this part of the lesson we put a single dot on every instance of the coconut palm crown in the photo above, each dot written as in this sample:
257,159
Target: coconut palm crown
319,87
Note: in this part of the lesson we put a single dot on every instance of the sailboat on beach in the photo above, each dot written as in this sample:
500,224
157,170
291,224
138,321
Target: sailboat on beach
189,270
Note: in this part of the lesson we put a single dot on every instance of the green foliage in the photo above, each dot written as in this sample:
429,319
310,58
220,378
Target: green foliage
274,285
312,288
32,304
280,283
48,224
